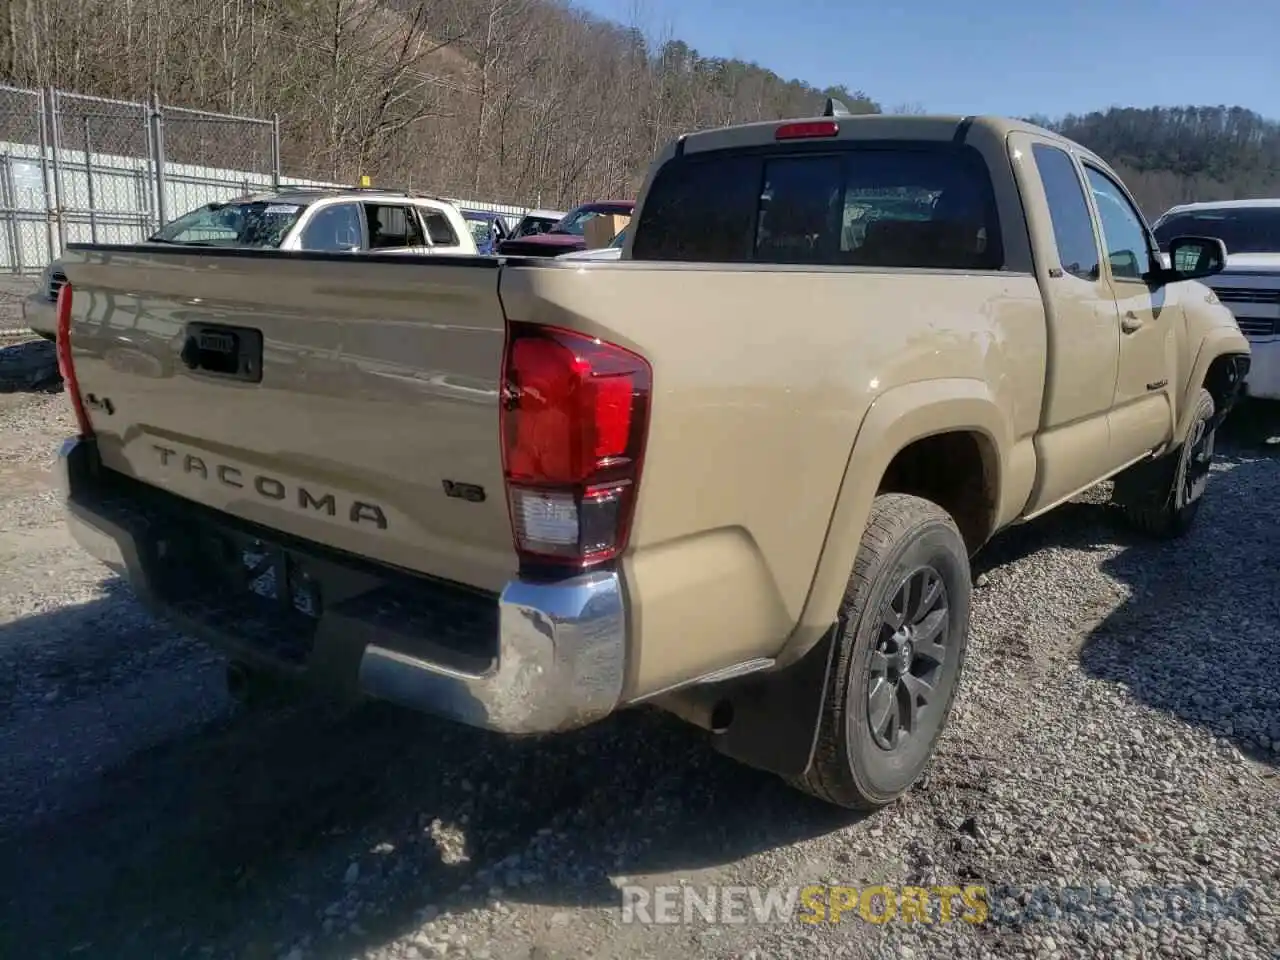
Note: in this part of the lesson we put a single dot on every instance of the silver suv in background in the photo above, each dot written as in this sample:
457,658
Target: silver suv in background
319,219
1250,284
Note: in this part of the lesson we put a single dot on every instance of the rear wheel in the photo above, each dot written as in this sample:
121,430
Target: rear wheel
903,630
1168,507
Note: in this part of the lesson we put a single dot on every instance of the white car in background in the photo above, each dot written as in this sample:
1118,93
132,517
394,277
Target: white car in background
1250,283
326,220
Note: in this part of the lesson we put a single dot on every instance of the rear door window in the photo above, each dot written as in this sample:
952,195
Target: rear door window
334,228
1068,212
860,206
392,226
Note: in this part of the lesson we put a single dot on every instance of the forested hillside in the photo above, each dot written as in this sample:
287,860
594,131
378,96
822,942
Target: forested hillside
1174,155
519,100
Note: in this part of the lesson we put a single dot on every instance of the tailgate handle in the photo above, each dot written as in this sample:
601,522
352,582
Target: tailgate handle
229,353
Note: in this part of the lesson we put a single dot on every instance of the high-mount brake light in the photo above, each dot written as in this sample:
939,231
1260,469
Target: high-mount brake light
807,130
574,421
66,368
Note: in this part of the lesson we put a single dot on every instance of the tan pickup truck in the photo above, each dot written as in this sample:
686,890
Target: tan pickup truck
738,473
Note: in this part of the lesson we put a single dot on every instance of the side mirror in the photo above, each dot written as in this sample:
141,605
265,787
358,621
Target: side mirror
1191,258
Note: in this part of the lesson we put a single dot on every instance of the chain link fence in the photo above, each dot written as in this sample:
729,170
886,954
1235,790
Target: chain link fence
83,169
200,148
26,241
25,181
103,160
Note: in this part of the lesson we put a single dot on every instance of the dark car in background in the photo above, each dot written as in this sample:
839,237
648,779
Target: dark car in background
535,222
568,234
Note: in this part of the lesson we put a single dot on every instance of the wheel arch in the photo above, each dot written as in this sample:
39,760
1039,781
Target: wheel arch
907,430
1219,353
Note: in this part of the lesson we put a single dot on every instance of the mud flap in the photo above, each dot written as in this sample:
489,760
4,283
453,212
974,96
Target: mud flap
1148,480
776,714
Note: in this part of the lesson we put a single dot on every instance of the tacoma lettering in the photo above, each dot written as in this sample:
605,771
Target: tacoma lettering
271,488
325,503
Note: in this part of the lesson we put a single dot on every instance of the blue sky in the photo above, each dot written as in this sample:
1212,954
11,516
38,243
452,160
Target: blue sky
1009,57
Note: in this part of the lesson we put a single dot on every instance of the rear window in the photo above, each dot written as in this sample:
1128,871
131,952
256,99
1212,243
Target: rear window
862,205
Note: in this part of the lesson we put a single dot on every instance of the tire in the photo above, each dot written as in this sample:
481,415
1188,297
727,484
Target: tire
908,540
1169,509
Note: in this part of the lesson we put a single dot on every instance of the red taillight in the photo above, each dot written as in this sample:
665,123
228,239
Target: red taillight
65,367
807,129
575,414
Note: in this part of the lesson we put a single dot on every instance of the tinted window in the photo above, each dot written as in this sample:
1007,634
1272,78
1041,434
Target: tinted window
1243,230
864,206
392,226
1069,212
532,226
333,229
439,230
701,210
798,219
1123,232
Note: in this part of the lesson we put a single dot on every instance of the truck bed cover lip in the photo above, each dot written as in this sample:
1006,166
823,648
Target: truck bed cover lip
561,646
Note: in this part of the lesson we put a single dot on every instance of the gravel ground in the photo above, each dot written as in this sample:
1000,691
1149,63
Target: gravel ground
1118,730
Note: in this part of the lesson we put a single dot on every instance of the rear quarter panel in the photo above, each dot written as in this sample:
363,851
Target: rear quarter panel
762,379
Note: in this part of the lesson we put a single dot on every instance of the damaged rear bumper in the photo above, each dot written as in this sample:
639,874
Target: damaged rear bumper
537,658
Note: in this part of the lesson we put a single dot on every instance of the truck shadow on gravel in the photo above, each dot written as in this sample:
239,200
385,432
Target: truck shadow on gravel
240,833
1200,636
29,365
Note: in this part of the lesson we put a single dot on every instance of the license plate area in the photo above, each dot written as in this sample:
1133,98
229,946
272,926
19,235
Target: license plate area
280,577
268,595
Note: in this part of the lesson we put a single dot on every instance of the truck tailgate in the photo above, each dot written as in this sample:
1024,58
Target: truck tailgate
352,402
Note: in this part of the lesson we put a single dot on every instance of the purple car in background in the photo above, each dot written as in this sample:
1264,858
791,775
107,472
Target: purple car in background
568,234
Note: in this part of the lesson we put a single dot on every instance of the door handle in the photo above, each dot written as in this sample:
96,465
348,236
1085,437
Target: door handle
1130,322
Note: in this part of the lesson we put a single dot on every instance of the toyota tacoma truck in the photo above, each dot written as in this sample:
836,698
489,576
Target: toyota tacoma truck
738,473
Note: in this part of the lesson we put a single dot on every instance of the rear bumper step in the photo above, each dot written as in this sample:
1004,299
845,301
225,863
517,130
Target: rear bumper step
537,658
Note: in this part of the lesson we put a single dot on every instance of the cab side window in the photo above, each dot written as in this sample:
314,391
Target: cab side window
1069,212
393,227
439,229
333,229
1123,232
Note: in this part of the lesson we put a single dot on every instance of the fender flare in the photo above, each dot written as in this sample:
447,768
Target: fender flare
897,418
1217,343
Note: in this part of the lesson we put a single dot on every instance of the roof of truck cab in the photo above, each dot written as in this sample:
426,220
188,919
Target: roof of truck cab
865,127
